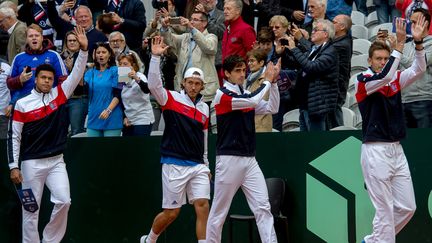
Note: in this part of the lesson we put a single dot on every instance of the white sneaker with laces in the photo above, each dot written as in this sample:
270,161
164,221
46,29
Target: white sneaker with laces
143,239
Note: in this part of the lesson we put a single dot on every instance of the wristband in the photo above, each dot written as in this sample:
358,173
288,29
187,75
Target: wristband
418,42
108,110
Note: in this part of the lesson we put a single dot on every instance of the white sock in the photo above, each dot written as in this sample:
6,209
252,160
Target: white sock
152,237
201,241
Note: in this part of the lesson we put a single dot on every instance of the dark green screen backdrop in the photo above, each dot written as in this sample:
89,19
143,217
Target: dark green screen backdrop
116,189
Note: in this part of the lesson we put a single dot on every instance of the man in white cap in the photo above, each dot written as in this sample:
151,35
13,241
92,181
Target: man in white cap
183,148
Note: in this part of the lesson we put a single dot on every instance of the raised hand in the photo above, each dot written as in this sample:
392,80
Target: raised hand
418,29
272,71
400,30
81,37
158,47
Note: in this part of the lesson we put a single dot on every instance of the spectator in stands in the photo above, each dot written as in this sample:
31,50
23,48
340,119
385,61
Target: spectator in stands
117,43
215,25
66,9
10,4
385,168
135,98
36,12
317,83
16,30
97,8
316,10
129,15
83,16
417,97
336,7
5,110
386,10
343,45
77,104
269,8
287,77
197,48
105,117
105,23
239,37
256,63
37,51
265,40
407,7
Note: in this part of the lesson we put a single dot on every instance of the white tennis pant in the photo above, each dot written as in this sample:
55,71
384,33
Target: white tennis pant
388,180
233,172
52,172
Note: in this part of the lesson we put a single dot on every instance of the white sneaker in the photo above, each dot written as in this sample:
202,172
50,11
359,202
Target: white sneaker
143,239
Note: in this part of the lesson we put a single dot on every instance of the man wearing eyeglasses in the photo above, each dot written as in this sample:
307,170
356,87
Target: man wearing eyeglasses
117,42
317,81
195,48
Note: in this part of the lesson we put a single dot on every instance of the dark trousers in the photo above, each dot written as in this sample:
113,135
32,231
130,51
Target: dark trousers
137,130
418,114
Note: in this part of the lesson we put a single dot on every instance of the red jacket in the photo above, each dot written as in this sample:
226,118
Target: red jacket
238,38
402,6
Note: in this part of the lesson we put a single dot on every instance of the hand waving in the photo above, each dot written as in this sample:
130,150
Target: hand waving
272,71
158,47
81,37
418,29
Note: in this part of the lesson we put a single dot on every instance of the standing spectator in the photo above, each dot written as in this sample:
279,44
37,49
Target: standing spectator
117,43
16,30
77,104
256,61
37,138
183,148
36,12
236,165
386,10
343,45
361,6
317,83
37,51
286,81
417,97
66,9
265,41
238,37
105,117
97,7
136,100
197,48
215,26
5,110
316,10
407,7
384,165
83,17
129,15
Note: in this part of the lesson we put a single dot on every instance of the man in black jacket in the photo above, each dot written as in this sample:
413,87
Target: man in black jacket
343,45
129,15
317,82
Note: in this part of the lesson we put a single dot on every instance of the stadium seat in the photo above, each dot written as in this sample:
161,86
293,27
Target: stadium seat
349,117
359,32
371,20
358,18
360,46
359,64
291,120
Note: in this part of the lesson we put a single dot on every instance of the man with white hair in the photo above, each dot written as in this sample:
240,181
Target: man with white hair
317,81
316,9
185,171
117,42
16,30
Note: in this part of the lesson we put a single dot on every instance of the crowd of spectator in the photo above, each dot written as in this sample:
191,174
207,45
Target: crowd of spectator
312,38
